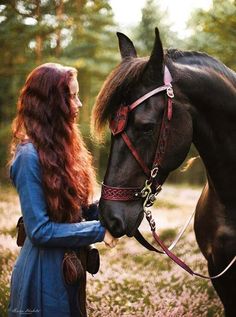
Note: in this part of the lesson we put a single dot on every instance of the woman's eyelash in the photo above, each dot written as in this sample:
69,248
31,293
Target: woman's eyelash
75,95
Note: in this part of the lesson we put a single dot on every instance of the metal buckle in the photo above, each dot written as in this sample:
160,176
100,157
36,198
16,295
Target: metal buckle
170,92
150,220
158,189
154,172
146,189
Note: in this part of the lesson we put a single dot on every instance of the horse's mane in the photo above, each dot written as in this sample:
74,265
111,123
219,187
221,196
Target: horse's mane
202,60
114,91
128,73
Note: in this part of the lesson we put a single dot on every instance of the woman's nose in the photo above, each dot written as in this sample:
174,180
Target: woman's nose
78,103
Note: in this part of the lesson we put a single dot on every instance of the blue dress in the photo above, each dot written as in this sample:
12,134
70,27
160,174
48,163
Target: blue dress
37,284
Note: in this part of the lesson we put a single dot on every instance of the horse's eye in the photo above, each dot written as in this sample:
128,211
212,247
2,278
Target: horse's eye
148,128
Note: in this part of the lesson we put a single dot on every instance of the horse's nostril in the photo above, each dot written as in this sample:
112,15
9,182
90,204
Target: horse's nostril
116,227
112,217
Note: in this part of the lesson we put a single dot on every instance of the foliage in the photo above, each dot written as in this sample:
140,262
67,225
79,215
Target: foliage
153,16
4,144
215,31
7,259
193,173
81,33
76,33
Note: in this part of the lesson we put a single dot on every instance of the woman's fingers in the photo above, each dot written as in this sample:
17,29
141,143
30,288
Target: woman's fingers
109,240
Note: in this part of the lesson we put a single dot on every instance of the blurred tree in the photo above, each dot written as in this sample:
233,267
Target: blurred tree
59,4
81,33
153,16
11,56
78,33
93,50
214,31
23,35
191,171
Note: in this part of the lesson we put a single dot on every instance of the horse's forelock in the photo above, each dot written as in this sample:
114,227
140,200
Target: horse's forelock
111,94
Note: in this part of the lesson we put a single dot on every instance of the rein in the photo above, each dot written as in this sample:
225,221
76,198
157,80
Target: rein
152,186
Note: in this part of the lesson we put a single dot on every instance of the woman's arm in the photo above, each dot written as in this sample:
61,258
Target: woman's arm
26,176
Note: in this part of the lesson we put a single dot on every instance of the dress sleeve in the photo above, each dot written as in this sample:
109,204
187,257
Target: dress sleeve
26,176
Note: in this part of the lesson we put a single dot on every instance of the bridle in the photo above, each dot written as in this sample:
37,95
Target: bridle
152,185
118,125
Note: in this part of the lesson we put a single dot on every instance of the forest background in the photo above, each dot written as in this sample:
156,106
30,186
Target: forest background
82,34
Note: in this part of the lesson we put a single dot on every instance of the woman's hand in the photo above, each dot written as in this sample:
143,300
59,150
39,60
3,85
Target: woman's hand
109,240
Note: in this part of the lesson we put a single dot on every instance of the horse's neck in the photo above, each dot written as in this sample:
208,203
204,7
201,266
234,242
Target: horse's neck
212,99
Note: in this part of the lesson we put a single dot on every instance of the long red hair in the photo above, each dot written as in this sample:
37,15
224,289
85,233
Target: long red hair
45,116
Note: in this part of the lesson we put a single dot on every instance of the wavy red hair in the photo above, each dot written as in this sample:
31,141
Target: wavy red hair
45,116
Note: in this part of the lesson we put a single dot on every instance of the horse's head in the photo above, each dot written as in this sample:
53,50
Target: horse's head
136,133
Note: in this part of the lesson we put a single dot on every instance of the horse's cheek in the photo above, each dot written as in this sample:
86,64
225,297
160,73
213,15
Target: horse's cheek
179,142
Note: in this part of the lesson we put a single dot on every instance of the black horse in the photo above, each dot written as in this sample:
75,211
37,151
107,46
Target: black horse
204,112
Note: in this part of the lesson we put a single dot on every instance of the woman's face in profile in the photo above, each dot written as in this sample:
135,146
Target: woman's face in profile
74,96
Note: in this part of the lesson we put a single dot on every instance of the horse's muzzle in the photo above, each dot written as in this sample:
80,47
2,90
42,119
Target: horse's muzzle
120,219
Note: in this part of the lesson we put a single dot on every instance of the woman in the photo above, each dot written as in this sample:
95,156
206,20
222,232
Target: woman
52,172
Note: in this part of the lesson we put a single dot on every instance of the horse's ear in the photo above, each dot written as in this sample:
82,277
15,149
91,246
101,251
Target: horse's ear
154,68
126,46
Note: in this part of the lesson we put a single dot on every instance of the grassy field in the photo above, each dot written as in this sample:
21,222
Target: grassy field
132,281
